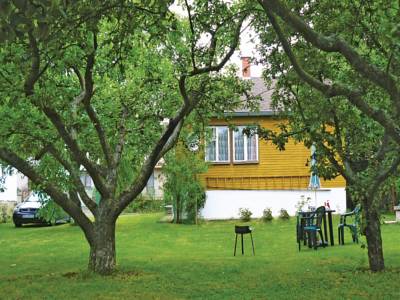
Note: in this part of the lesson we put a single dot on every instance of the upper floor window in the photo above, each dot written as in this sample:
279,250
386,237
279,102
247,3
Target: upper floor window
217,148
245,146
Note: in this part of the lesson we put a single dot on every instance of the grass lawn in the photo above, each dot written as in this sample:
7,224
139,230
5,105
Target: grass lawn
167,261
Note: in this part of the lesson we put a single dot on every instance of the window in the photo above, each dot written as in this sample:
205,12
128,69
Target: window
245,147
193,142
150,187
87,181
217,148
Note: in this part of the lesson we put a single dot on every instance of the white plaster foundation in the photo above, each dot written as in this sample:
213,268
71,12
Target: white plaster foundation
225,204
397,210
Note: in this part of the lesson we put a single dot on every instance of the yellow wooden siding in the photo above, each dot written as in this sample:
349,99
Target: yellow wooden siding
276,170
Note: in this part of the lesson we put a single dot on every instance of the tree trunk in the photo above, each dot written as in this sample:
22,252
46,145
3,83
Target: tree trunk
349,201
374,239
102,257
393,195
177,209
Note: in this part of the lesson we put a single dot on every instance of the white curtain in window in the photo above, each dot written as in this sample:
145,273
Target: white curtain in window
223,143
252,147
239,144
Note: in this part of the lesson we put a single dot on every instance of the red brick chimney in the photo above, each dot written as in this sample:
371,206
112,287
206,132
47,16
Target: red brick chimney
246,67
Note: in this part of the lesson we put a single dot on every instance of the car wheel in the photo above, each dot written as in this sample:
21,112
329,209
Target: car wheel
17,224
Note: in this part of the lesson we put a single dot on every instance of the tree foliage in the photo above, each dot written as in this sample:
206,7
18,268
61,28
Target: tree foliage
85,86
182,187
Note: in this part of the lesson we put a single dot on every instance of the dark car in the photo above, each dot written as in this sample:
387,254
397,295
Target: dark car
30,212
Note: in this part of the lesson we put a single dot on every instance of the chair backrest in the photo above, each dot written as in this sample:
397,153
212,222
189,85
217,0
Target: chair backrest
319,214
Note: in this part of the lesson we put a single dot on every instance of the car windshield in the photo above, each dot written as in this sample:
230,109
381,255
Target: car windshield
33,198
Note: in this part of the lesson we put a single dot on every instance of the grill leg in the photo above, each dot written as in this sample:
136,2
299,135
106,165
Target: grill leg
252,244
234,252
242,243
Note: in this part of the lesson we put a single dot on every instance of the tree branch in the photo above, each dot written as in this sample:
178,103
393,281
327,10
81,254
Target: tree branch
335,44
74,173
182,90
6,78
57,195
93,170
75,176
384,174
171,133
233,45
150,162
34,72
335,89
345,172
56,119
171,141
80,78
192,44
122,134
380,156
338,135
88,80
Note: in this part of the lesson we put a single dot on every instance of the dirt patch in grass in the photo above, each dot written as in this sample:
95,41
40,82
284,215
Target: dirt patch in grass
126,275
70,274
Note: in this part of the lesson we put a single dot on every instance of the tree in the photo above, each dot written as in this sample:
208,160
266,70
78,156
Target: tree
85,85
349,70
182,187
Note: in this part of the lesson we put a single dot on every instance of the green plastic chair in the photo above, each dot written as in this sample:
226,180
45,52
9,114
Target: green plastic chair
308,228
302,219
355,216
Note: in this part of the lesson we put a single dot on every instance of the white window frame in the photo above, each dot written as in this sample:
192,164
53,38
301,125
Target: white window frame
216,146
245,156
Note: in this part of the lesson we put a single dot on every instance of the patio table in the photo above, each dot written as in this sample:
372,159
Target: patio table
331,238
328,212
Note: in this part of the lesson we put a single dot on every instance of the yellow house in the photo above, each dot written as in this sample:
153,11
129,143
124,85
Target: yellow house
247,172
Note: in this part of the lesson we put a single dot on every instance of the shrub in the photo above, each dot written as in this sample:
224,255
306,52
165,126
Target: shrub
144,205
303,203
245,214
283,214
5,213
267,215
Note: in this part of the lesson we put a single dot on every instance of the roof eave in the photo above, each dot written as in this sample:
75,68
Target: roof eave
252,114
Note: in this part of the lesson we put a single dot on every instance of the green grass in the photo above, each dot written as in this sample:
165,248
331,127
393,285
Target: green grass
167,261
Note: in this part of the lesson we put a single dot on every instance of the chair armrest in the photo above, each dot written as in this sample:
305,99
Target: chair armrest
348,214
344,216
306,218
